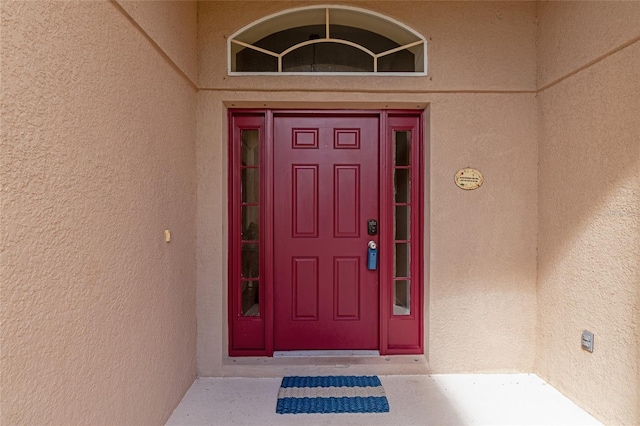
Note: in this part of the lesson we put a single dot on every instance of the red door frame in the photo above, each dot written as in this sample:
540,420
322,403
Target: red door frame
253,336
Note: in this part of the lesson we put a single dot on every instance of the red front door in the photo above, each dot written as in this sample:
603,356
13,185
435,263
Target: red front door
325,191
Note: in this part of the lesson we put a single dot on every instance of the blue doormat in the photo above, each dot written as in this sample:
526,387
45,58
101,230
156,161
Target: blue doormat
331,394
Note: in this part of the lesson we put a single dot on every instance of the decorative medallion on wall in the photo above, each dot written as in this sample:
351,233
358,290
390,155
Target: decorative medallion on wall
469,179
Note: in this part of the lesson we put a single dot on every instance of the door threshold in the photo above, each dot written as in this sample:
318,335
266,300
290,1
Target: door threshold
310,365
338,353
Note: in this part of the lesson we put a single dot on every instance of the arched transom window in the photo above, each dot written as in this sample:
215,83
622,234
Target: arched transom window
327,39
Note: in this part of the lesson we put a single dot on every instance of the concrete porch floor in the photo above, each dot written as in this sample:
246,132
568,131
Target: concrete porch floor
450,399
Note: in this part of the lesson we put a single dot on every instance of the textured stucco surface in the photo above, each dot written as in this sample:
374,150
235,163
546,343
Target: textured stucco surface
589,238
483,255
173,25
482,298
573,33
98,159
481,304
471,46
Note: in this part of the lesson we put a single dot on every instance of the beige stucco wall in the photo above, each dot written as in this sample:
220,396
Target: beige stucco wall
98,157
589,239
572,34
97,160
481,307
471,46
172,25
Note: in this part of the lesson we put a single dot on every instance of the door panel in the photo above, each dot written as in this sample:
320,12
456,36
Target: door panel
325,190
304,281
346,279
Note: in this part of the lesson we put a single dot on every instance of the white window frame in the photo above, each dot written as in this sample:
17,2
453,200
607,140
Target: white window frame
421,40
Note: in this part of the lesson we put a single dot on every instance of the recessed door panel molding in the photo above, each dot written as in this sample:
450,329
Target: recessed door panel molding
346,278
304,188
305,288
304,138
304,193
346,205
346,138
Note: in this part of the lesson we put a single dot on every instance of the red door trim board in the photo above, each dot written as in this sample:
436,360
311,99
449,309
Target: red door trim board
253,336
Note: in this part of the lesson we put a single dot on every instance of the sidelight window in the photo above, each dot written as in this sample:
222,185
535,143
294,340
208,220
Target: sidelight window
402,223
250,223
247,234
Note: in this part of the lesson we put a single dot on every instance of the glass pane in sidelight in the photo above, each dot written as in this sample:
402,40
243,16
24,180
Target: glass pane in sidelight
250,261
402,260
250,185
250,299
402,186
250,223
402,221
250,147
402,148
402,297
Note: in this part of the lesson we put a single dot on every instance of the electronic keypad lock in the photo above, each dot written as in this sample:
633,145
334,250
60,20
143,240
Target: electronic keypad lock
372,227
372,256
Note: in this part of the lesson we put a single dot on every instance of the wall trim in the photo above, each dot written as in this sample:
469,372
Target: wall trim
589,64
416,92
536,91
155,45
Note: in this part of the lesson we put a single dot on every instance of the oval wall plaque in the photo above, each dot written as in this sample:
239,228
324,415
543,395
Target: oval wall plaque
469,178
